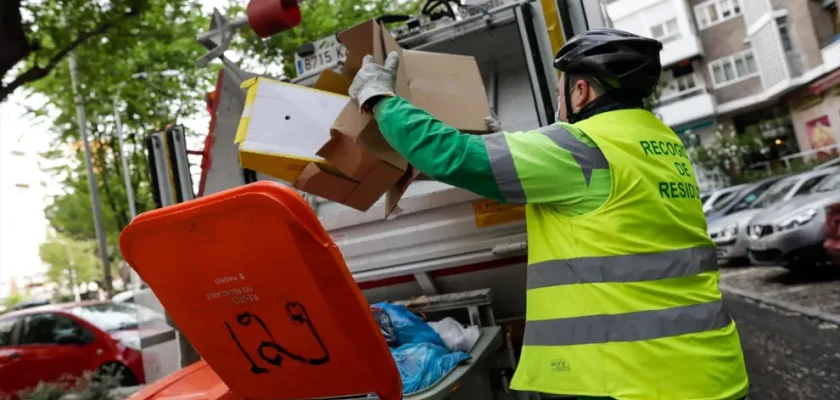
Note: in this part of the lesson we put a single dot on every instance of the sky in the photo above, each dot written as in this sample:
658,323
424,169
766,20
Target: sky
23,226
22,221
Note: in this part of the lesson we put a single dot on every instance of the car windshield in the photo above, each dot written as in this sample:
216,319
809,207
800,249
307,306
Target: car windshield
724,198
831,182
775,193
111,317
746,197
720,205
704,197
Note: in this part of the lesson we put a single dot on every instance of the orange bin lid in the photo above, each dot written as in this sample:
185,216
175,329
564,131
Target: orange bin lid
255,283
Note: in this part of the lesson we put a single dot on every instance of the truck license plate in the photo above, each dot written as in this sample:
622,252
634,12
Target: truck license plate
327,51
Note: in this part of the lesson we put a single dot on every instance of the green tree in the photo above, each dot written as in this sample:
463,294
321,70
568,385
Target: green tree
159,38
36,35
321,18
70,261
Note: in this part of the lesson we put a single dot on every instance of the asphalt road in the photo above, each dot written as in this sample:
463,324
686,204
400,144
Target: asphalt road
789,356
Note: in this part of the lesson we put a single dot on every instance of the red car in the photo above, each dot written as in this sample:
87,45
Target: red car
50,343
832,235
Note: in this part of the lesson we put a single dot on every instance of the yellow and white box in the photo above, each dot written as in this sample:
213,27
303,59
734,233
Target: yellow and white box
283,125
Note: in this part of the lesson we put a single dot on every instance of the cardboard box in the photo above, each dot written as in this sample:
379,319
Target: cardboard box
356,166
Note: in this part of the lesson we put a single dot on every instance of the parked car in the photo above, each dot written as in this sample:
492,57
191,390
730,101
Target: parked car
718,197
52,342
792,234
832,233
730,232
740,200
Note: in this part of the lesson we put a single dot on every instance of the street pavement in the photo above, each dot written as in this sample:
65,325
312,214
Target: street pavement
789,356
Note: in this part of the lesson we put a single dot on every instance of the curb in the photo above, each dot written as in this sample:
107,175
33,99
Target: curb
807,311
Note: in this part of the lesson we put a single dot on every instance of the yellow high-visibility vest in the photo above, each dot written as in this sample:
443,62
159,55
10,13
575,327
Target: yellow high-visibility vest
623,302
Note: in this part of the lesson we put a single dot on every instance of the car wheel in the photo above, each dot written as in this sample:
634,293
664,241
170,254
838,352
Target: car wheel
116,372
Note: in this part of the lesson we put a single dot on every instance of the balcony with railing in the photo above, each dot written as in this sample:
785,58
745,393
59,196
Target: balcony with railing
684,96
668,21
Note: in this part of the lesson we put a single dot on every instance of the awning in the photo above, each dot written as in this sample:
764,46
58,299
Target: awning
825,83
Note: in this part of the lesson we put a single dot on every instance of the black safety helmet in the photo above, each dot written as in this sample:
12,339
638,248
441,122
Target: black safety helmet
618,59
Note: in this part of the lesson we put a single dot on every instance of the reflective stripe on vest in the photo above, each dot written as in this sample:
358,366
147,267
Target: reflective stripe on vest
628,327
504,167
626,268
625,327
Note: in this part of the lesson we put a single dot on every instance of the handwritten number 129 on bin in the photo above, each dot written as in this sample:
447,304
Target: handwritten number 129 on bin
270,350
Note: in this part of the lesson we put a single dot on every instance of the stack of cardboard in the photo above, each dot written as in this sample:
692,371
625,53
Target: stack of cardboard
318,139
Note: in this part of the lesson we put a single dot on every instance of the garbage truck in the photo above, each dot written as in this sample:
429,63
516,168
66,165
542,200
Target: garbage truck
445,239
448,249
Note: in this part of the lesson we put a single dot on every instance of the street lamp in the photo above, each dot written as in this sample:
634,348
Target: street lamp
129,190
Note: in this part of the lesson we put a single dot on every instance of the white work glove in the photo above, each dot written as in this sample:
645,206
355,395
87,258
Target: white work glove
374,80
492,122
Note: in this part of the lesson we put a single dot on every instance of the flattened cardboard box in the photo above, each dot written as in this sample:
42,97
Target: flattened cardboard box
447,86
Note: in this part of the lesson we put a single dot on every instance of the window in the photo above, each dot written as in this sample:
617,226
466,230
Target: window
666,31
730,69
7,326
49,328
784,34
716,11
682,83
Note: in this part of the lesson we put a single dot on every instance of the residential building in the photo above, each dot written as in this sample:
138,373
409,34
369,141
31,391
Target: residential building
738,65
758,52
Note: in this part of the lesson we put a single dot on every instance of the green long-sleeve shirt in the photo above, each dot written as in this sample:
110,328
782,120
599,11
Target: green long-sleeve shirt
557,164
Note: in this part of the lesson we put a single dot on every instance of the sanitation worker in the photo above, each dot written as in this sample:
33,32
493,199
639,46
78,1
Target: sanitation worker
622,295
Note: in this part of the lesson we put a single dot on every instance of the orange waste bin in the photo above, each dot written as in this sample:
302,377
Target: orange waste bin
255,283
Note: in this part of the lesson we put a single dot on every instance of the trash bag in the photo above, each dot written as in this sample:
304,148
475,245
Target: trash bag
423,364
409,327
386,327
455,335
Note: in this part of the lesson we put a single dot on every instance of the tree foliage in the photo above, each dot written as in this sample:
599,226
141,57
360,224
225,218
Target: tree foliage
159,38
70,261
38,35
321,18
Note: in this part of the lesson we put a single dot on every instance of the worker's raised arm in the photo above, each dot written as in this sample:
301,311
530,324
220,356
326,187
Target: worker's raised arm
554,164
549,165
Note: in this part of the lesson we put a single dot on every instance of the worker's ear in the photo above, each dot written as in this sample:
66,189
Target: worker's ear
582,93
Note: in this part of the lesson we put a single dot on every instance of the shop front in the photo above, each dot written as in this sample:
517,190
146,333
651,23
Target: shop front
815,112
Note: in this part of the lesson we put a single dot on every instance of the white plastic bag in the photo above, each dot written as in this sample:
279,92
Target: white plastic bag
455,335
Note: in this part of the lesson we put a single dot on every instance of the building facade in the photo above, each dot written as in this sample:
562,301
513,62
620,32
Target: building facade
742,66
